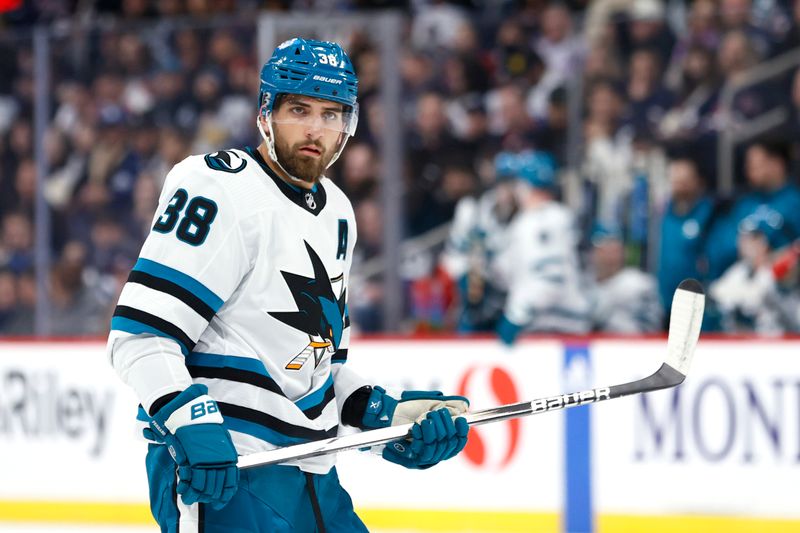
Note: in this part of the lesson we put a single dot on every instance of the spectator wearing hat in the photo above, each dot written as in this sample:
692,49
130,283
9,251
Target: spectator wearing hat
624,299
644,26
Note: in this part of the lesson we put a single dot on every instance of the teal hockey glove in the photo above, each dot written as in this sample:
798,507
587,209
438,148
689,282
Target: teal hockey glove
435,435
191,427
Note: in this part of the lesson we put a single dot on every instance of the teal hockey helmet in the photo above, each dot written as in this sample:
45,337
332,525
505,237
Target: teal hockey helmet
536,168
317,69
505,165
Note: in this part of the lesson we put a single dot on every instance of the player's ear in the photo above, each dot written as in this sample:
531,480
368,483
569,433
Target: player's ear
263,122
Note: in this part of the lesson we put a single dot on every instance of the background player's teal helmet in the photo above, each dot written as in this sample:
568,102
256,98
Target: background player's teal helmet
319,69
536,168
505,165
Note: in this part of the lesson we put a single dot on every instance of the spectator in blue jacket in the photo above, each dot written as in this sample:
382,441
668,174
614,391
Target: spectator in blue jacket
771,196
684,227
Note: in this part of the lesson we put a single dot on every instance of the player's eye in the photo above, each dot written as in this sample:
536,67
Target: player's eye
298,110
330,116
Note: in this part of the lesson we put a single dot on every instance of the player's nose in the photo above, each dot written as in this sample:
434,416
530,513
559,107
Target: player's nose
314,128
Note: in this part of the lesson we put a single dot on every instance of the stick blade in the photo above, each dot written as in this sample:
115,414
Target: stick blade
685,320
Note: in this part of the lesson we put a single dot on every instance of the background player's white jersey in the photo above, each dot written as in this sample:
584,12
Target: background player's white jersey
627,302
241,285
478,234
541,264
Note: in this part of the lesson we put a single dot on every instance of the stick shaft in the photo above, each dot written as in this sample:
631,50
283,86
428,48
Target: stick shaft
665,377
685,321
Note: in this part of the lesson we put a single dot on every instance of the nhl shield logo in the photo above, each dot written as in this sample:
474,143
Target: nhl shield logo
310,201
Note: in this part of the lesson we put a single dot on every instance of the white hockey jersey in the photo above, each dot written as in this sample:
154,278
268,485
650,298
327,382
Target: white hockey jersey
242,286
627,302
478,234
541,263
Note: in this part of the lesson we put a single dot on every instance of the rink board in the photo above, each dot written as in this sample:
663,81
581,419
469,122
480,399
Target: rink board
718,454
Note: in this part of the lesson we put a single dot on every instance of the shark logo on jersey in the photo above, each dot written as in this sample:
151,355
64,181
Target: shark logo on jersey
320,312
226,161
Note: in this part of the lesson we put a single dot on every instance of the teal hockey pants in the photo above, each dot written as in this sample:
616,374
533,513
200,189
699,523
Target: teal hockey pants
270,499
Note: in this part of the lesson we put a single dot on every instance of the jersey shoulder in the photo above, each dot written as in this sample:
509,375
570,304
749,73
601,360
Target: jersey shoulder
227,176
337,199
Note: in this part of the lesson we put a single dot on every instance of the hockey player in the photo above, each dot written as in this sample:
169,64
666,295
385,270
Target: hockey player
478,235
624,299
541,261
233,326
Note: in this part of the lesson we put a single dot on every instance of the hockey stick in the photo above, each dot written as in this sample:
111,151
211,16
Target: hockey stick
684,331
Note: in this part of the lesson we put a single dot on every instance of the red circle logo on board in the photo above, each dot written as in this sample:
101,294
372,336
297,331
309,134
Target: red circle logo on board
502,389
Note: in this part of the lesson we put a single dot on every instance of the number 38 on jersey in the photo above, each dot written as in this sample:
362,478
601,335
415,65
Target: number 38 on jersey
193,217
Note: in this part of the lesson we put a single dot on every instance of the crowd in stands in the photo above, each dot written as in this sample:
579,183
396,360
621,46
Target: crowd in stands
623,94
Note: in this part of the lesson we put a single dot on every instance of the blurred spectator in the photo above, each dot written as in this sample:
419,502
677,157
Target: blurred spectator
696,96
645,27
16,242
8,297
366,292
109,245
541,259
608,148
509,118
67,167
703,31
515,59
791,39
737,16
436,24
771,196
112,166
145,201
173,147
602,62
648,99
683,230
431,148
562,52
624,299
736,55
550,133
746,294
359,171
76,308
21,322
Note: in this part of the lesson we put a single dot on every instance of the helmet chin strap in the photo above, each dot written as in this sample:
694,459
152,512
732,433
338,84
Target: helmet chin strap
269,139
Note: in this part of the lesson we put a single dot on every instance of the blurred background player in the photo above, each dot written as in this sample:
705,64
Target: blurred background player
233,327
624,299
746,295
478,235
541,261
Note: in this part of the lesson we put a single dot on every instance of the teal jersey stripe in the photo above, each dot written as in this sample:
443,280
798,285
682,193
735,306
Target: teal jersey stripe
179,278
314,399
132,326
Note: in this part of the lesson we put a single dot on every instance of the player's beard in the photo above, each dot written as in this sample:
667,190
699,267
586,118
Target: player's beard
302,167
